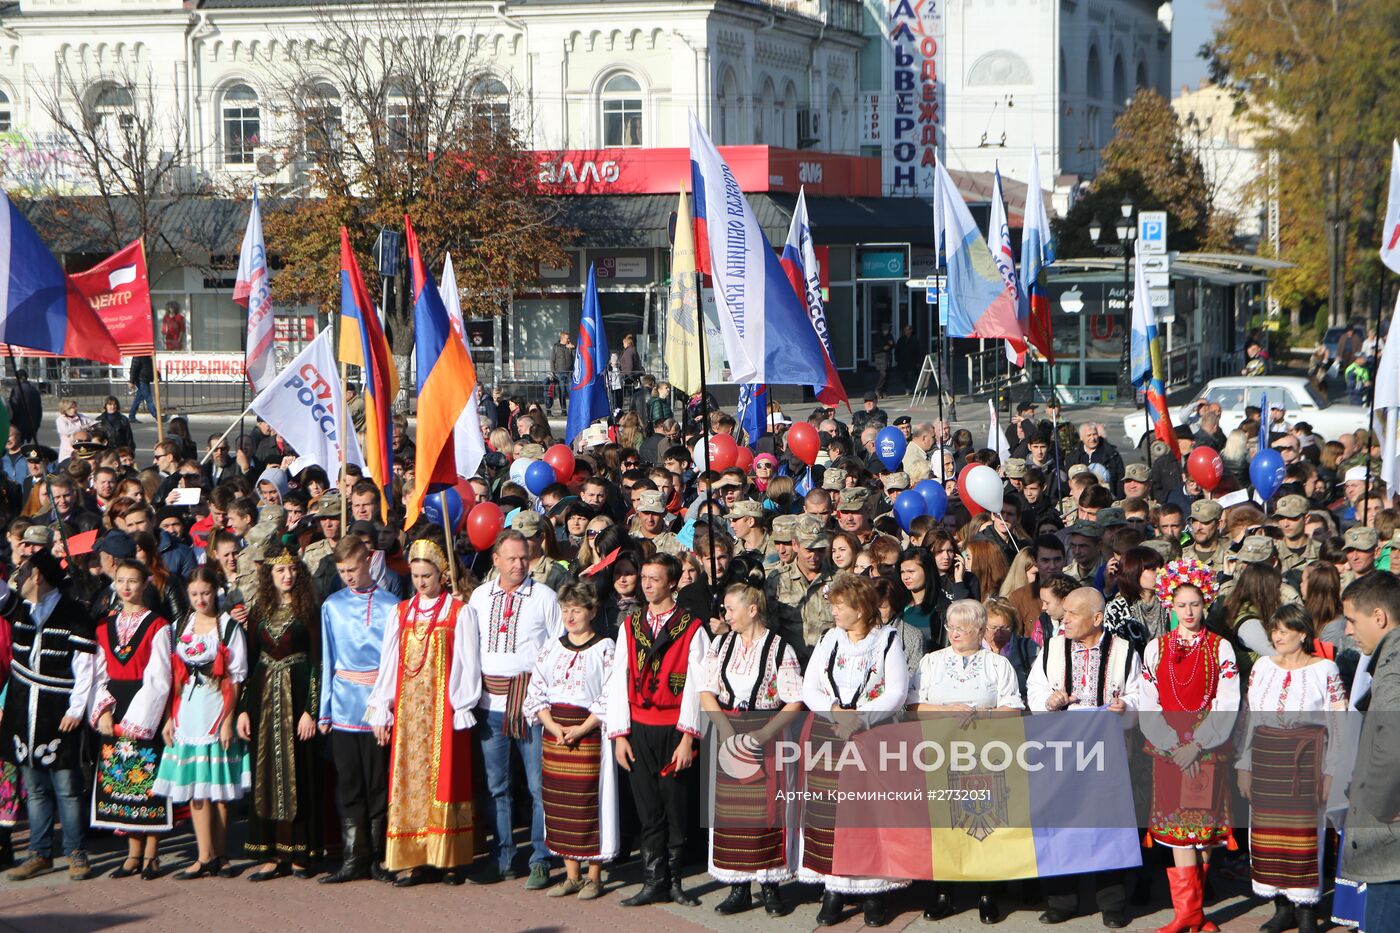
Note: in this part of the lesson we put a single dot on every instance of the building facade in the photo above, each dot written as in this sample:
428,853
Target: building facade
852,99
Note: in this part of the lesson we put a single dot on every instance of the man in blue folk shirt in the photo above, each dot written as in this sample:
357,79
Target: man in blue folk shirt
353,621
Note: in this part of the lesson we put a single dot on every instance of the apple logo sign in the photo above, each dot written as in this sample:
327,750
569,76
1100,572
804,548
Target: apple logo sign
1072,300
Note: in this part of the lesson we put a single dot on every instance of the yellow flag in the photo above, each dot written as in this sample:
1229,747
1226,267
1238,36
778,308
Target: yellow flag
682,319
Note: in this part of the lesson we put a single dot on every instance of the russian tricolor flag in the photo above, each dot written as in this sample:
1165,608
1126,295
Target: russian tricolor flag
799,261
981,303
40,309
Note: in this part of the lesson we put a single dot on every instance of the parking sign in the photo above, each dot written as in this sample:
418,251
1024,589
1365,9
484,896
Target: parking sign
1152,231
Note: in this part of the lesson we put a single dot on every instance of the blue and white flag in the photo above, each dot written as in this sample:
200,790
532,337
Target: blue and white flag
300,404
752,413
768,336
588,390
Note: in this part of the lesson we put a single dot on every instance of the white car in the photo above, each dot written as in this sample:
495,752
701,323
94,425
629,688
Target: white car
1234,393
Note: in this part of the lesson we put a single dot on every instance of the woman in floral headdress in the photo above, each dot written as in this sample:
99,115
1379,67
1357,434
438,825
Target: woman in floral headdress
1188,674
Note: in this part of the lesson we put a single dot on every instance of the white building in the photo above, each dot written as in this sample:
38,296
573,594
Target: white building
1223,137
853,98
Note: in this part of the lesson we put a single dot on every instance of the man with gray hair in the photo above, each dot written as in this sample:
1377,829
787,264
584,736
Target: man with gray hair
916,454
1085,667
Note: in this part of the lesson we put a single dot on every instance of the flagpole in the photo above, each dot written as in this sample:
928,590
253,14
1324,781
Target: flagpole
704,407
1371,423
340,432
451,543
236,422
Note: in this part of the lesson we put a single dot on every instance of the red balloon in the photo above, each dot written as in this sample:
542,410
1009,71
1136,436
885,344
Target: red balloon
483,524
562,459
802,440
963,495
468,493
724,451
1205,467
744,460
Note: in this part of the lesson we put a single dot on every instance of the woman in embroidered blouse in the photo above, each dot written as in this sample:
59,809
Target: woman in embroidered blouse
278,719
1188,698
964,678
131,687
578,781
749,668
856,677
204,764
1290,695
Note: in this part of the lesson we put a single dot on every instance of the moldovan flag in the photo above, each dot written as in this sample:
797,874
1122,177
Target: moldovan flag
980,302
40,307
1035,796
362,344
682,349
446,382
302,404
468,444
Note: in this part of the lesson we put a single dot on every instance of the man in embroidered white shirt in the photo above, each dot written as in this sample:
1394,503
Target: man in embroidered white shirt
653,718
516,617
1084,667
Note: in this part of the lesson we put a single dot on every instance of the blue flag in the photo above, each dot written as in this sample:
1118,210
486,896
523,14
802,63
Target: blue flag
752,413
588,390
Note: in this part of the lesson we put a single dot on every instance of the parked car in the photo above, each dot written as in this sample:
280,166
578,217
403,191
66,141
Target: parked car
1234,393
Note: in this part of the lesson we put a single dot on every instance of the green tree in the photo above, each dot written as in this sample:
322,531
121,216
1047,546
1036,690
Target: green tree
1148,163
1321,79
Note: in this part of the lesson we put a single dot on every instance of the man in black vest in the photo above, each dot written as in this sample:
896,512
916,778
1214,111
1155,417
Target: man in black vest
49,689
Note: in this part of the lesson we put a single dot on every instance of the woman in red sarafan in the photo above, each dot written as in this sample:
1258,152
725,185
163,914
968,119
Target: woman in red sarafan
1189,697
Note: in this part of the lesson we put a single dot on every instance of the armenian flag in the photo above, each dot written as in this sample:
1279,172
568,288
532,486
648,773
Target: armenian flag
362,344
446,381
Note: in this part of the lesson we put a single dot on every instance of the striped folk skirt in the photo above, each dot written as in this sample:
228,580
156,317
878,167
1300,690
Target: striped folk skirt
572,790
749,840
1285,815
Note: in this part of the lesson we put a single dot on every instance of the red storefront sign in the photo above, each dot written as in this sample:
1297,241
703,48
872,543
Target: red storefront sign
665,171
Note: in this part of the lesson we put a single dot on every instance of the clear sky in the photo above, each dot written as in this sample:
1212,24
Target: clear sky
1192,24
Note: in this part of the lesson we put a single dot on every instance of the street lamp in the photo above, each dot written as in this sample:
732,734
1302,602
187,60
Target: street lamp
1126,229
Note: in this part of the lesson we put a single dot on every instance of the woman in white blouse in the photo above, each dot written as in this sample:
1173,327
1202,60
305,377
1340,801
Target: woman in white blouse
1286,765
965,678
856,677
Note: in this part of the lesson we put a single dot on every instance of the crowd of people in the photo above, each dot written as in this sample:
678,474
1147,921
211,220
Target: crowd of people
220,640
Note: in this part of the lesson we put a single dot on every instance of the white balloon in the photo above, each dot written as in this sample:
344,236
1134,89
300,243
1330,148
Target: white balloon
518,468
984,487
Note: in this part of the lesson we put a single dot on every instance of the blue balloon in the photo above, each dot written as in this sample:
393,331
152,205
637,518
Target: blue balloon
935,499
539,476
890,446
1266,472
909,505
445,500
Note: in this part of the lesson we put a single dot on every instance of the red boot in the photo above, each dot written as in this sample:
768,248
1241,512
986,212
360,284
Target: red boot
1187,916
1206,925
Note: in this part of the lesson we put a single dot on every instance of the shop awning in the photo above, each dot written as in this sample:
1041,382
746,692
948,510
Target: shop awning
643,220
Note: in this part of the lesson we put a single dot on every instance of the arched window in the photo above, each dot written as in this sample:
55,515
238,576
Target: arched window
766,130
7,117
1093,84
728,109
1142,74
622,111
324,131
836,122
1120,82
242,124
491,104
397,121
114,108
